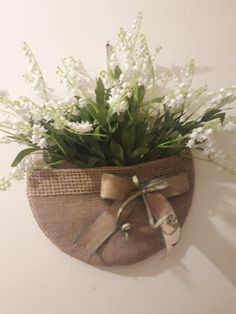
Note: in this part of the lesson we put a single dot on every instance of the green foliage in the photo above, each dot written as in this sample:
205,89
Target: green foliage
117,72
124,139
22,155
212,114
100,92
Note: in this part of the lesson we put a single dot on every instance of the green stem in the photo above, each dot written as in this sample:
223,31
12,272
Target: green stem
7,132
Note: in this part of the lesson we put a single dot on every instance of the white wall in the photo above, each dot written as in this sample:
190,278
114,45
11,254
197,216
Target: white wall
200,275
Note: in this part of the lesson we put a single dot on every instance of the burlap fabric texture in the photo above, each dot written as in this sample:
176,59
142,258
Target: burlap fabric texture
66,202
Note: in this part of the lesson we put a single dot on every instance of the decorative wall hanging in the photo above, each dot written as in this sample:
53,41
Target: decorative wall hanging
109,166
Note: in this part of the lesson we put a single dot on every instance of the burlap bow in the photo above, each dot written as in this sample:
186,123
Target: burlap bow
125,192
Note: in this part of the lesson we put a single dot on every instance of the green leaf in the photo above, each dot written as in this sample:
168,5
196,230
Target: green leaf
114,127
141,129
147,140
135,94
59,142
212,114
221,116
140,152
50,142
116,150
117,72
118,163
100,92
97,130
96,148
187,127
170,143
56,163
102,116
22,155
92,161
128,139
51,157
141,94
138,95
81,164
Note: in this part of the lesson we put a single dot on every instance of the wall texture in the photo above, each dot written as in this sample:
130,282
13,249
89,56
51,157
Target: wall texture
199,276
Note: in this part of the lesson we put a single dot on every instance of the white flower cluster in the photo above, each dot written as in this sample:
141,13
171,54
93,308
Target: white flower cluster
175,101
117,100
25,166
199,135
80,127
77,79
185,77
180,93
18,173
5,183
5,140
34,76
210,149
14,119
225,95
18,121
131,56
135,62
38,136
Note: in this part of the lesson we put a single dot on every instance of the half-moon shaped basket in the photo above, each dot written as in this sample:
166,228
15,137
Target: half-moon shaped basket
66,201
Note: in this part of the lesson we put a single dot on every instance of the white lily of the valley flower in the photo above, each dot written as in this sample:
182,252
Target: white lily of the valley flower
198,136
42,143
80,127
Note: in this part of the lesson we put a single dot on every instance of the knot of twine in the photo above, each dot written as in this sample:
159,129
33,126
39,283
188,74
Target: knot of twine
142,190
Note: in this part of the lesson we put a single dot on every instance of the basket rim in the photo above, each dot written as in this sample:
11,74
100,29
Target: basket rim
187,154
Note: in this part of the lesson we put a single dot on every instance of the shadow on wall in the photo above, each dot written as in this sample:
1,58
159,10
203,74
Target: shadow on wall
209,227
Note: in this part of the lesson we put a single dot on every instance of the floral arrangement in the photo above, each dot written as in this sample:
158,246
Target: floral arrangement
133,111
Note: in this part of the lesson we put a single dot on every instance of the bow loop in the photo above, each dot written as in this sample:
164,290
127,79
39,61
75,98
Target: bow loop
116,187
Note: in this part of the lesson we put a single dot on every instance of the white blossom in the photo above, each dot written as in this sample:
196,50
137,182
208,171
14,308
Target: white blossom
117,100
76,78
199,135
42,143
34,76
82,102
18,173
80,127
5,140
38,135
5,183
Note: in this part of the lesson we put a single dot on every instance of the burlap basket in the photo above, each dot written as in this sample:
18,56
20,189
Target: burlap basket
66,202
